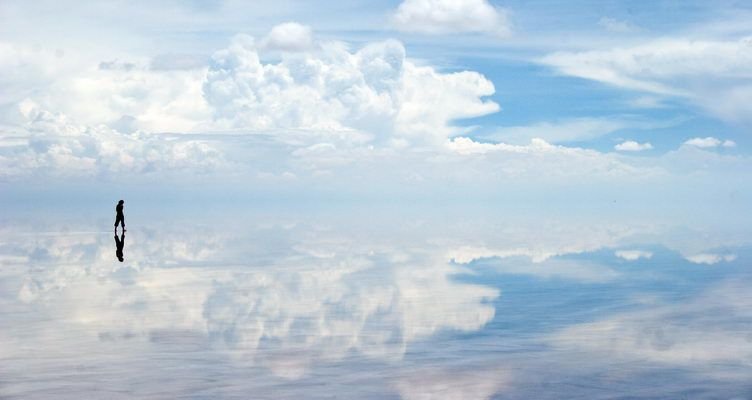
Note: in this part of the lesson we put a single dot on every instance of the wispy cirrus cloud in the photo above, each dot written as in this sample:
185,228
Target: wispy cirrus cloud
711,73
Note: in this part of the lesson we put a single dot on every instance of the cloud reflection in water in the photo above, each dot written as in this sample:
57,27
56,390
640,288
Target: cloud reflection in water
419,309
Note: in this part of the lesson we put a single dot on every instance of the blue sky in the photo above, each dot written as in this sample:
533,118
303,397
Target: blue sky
474,96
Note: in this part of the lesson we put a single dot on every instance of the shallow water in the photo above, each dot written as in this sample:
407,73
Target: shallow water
365,304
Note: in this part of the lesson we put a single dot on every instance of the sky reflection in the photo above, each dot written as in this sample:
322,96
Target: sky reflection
434,307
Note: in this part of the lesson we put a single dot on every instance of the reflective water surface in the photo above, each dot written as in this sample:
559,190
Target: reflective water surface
372,305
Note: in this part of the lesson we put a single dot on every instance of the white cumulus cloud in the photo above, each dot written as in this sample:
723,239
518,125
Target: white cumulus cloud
449,16
289,36
710,258
631,145
375,90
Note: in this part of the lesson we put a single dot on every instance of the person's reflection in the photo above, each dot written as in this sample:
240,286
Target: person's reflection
119,243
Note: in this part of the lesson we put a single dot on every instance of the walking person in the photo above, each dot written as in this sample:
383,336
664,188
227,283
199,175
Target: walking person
119,217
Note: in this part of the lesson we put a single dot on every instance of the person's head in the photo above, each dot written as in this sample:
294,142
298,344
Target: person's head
120,259
121,202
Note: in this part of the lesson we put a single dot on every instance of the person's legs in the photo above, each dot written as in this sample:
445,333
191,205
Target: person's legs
120,220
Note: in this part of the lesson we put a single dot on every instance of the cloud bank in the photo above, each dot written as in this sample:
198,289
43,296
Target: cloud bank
290,110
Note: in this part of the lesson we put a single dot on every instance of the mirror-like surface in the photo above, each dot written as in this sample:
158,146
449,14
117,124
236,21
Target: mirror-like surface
372,305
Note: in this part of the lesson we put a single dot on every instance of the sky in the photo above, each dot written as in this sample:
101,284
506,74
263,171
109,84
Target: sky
434,99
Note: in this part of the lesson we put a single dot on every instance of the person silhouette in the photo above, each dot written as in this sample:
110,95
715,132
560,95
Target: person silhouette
119,244
119,217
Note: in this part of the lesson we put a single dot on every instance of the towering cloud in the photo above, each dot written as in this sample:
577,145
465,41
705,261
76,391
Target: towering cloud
374,91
